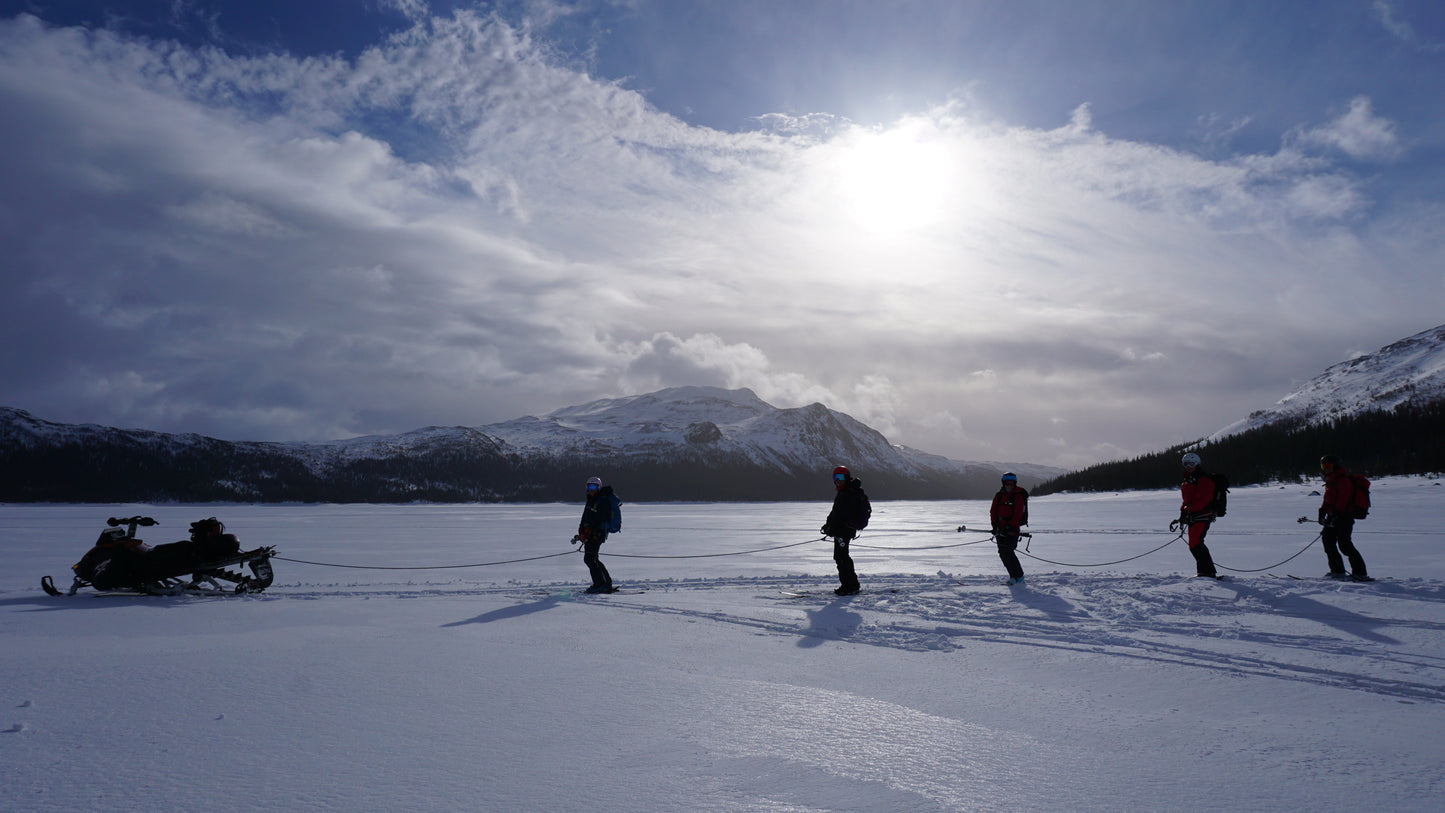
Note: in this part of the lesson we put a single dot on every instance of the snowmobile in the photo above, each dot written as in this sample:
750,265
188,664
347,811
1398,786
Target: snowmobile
119,562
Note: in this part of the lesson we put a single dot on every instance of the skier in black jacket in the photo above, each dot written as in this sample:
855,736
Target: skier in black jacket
850,514
592,532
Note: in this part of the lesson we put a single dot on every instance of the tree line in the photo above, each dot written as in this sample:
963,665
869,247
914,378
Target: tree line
1408,439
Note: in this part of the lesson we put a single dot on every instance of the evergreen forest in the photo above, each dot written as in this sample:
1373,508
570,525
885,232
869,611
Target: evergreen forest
1409,439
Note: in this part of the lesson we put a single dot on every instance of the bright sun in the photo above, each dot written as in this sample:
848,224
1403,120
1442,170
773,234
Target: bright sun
896,181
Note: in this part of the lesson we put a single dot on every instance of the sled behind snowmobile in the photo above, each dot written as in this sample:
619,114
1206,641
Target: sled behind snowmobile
121,563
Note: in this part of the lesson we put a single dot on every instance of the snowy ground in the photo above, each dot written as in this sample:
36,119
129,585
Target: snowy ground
1126,687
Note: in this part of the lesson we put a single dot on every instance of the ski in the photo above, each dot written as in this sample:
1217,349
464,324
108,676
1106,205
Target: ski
830,593
1345,580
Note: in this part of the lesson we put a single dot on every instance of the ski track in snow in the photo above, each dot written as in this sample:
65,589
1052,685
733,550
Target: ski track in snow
1230,627
1206,625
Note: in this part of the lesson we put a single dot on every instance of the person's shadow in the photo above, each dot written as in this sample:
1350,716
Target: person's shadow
831,622
515,611
1055,608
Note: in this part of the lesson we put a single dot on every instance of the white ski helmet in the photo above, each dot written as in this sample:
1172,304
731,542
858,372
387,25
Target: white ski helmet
594,483
1190,459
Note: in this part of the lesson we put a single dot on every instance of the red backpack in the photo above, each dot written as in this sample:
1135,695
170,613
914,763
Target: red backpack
1360,497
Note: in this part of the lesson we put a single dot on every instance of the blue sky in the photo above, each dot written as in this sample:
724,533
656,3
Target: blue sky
1054,232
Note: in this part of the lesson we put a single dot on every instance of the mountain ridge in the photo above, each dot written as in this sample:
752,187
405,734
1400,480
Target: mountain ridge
1382,413
1409,370
684,443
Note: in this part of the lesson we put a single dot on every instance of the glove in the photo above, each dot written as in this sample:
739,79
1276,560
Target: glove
1174,525
1324,517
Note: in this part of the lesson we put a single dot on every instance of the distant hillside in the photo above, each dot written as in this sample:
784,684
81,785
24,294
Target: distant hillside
1382,413
691,443
1410,371
1408,439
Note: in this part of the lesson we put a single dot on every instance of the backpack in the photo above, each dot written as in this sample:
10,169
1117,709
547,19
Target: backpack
1360,499
614,520
1220,505
864,511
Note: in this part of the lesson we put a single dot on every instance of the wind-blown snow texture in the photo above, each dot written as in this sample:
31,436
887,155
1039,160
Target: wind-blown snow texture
1410,369
1125,687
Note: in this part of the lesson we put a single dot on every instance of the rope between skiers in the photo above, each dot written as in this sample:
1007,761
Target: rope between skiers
1277,564
711,555
426,567
988,536
1025,552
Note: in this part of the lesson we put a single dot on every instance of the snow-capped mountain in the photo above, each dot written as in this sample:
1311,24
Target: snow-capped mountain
687,443
1411,369
731,422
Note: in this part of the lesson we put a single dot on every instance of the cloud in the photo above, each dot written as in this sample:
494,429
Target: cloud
1358,133
457,227
414,10
1386,15
1400,28
706,360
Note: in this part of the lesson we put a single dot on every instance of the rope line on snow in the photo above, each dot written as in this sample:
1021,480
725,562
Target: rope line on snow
1024,552
426,567
547,556
709,555
988,536
1104,564
1273,566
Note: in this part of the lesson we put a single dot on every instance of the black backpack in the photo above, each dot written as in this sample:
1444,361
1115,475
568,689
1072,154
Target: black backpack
865,511
1221,494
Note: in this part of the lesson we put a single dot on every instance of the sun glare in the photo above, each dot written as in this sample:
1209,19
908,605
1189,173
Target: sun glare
895,181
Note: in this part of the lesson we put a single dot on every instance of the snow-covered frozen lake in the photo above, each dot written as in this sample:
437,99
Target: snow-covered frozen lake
503,688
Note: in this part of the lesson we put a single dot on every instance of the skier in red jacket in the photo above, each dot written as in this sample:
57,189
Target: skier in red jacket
1008,513
1338,518
1197,512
